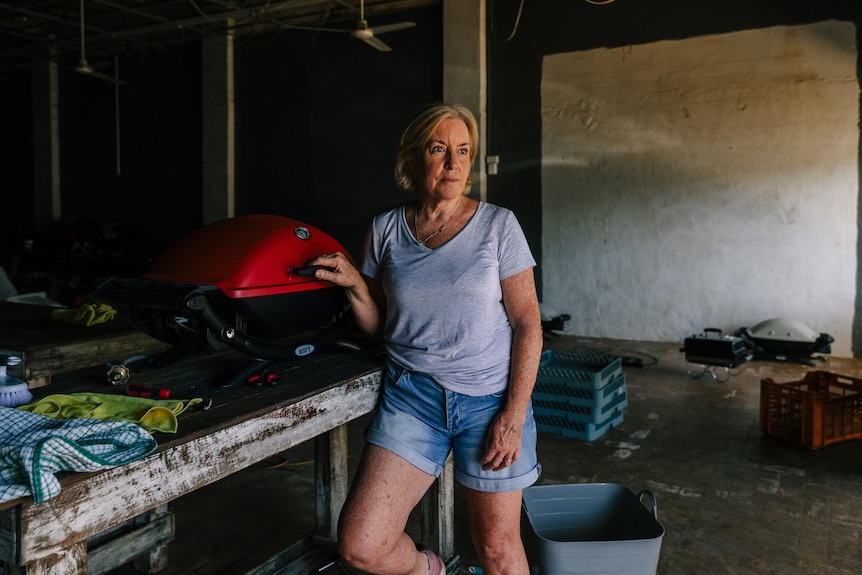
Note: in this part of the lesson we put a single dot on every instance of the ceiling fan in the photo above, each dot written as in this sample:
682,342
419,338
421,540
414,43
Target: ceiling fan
364,32
84,67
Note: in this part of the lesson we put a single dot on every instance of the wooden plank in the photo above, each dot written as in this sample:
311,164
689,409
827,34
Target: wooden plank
9,535
155,558
331,481
33,327
198,375
48,347
243,402
437,523
303,557
125,548
194,376
71,561
92,352
97,501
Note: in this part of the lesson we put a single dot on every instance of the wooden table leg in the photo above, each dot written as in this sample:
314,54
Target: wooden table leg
438,513
155,558
330,480
71,562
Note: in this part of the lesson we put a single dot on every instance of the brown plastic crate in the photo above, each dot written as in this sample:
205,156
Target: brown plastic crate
821,409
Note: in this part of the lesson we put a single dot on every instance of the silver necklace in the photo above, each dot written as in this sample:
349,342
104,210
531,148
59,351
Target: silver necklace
438,230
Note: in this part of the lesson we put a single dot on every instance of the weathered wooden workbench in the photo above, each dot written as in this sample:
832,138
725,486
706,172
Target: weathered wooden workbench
125,510
47,347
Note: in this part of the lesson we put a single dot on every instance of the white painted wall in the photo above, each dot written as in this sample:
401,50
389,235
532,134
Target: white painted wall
708,182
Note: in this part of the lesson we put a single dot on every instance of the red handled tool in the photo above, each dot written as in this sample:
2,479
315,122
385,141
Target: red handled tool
265,378
148,391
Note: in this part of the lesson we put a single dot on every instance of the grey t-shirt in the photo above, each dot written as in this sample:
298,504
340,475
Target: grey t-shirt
445,314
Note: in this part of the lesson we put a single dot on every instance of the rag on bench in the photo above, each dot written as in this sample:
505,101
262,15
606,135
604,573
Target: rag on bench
34,447
151,414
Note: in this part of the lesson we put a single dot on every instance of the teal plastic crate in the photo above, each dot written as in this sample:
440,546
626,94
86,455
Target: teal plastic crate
581,396
577,429
555,405
563,367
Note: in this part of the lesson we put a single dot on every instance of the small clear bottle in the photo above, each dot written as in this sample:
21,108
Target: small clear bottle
15,367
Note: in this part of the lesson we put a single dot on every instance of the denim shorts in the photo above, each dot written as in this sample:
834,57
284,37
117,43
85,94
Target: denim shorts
421,422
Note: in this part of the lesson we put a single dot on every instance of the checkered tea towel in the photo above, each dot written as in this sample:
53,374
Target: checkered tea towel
34,447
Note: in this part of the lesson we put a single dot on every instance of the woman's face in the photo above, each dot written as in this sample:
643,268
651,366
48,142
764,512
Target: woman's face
443,166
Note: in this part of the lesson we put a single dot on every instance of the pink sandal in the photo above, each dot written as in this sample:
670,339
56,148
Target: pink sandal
435,564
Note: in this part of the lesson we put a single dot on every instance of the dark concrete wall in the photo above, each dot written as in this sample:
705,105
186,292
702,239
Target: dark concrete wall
318,116
556,26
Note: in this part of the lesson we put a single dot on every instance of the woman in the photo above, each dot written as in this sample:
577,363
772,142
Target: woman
449,283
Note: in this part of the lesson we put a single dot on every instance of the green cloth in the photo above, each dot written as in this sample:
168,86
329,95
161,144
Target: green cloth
86,315
151,414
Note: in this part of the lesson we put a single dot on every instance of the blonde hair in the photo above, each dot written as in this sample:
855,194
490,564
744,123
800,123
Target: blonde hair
418,134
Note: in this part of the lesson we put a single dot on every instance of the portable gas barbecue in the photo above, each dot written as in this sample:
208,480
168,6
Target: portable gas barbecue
240,283
714,353
784,339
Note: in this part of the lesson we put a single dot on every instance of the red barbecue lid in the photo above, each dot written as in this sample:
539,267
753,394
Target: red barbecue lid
246,256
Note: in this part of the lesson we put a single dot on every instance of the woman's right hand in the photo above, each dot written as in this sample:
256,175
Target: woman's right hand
343,273
365,295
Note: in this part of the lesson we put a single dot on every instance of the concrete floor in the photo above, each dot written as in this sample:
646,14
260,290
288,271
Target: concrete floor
732,501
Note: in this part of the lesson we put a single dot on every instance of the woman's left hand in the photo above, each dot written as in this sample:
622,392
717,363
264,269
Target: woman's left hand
503,442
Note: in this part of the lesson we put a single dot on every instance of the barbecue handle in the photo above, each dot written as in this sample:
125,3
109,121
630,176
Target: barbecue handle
309,271
242,342
266,350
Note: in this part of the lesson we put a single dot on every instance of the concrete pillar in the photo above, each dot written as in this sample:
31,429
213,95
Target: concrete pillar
46,144
465,72
217,104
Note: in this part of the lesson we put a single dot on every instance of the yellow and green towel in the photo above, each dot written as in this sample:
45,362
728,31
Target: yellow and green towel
86,315
151,414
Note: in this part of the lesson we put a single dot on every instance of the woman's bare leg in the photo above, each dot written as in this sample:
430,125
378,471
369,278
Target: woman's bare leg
495,527
371,533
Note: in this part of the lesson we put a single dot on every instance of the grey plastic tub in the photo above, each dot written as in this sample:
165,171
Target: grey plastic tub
592,528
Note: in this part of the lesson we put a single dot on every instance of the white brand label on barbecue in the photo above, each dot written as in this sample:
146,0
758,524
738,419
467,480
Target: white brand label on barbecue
304,350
